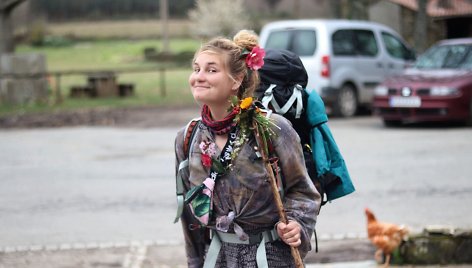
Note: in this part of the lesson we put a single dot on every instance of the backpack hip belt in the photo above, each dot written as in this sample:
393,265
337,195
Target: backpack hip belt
261,238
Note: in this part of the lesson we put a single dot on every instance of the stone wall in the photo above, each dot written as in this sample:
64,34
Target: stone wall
22,79
439,246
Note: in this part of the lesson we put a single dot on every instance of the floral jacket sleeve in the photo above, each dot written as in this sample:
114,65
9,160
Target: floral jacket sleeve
302,201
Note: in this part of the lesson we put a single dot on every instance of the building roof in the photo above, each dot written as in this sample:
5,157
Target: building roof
441,8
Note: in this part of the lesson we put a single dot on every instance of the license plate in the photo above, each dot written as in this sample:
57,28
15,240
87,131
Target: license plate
397,101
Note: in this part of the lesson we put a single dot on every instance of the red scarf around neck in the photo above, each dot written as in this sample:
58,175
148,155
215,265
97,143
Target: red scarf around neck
219,127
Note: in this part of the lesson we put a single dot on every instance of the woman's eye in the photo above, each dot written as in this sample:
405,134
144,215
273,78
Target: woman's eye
196,70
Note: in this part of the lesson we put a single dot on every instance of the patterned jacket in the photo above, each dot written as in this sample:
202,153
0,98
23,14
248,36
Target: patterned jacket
245,189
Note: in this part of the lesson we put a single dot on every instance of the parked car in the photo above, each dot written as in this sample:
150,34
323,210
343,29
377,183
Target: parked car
437,88
345,59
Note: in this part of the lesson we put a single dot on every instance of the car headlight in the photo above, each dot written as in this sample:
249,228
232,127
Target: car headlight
443,91
381,91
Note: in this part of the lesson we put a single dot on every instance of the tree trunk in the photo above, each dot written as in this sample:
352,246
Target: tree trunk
421,26
336,9
359,10
7,44
164,10
296,9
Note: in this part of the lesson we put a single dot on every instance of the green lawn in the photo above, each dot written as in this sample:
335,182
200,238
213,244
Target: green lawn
114,55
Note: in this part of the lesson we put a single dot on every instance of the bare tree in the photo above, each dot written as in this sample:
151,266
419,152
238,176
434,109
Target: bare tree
218,17
7,44
421,26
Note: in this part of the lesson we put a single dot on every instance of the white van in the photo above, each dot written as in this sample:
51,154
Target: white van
345,59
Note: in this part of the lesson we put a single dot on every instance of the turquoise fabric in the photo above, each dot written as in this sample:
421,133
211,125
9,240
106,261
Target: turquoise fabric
326,153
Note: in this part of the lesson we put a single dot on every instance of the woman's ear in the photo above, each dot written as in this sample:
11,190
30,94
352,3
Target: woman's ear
237,82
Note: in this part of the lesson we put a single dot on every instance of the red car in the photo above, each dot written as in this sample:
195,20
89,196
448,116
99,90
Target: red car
437,88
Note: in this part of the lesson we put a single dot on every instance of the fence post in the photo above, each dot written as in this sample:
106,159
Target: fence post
162,75
58,88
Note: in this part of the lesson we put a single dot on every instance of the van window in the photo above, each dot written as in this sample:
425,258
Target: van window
365,43
300,42
354,42
343,43
395,47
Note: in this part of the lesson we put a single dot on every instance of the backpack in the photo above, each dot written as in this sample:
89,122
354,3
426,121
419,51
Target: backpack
283,79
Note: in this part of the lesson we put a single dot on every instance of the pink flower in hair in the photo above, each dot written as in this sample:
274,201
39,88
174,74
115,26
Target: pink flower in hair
255,58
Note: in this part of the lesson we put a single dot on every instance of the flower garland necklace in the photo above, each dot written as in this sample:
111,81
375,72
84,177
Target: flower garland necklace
247,113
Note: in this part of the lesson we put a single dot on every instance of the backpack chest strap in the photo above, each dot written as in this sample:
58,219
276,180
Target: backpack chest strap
296,96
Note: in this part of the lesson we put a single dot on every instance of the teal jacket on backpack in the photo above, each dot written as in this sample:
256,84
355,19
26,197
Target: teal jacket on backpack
324,148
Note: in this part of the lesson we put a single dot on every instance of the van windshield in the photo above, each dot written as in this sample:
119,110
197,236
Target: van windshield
300,42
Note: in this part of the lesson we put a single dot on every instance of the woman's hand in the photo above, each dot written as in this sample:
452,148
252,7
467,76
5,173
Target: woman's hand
289,233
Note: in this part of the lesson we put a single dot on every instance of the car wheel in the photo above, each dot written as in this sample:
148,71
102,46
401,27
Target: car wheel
346,105
392,123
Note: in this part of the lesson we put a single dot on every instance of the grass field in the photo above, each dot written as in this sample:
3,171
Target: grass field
113,54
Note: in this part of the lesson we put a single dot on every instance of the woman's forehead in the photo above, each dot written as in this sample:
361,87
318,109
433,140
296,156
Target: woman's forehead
209,57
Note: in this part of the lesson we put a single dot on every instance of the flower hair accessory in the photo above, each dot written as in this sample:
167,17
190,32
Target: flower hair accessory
254,58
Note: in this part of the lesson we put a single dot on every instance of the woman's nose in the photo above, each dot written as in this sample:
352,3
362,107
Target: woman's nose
200,75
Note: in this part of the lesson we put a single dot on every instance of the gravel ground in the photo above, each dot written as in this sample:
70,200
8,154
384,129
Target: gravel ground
152,255
338,252
346,253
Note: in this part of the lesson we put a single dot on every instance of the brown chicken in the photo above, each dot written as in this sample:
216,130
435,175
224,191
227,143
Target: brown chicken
385,236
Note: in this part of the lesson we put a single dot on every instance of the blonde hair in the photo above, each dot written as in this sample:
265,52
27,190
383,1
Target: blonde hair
234,61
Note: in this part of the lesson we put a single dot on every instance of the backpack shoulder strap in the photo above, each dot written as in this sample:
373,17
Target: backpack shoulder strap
189,133
179,183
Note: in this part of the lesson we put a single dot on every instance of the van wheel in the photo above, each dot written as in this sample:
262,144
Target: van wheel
347,101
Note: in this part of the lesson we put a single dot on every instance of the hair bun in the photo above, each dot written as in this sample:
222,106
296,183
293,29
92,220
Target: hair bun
247,39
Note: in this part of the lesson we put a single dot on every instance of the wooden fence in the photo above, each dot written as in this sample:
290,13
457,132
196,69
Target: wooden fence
57,75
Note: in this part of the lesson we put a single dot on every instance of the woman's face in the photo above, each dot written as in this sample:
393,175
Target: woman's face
210,82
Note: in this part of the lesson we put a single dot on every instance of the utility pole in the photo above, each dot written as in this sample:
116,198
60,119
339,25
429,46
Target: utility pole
164,14
6,28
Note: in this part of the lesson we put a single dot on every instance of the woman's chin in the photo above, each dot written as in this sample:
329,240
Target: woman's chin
199,99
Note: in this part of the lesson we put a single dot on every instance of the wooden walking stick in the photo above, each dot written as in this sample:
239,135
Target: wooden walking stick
262,142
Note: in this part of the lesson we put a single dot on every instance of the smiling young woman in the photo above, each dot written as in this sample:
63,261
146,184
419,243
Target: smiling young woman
224,177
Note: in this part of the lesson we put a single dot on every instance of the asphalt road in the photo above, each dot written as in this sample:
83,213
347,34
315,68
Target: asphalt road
100,185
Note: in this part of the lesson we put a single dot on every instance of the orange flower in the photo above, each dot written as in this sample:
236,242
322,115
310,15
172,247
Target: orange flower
246,103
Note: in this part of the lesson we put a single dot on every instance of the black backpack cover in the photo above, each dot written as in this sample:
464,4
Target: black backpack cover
283,81
283,74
